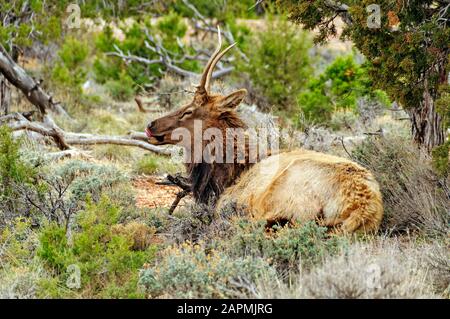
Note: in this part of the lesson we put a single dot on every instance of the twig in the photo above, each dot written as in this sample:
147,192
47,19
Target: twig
345,148
181,182
180,196
141,107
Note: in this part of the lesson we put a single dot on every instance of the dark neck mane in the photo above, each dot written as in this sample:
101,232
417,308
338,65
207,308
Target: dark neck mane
209,180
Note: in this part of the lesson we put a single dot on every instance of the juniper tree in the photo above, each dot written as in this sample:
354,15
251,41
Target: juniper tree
406,43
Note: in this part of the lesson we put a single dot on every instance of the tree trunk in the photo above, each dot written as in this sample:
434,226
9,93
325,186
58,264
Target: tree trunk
5,96
426,124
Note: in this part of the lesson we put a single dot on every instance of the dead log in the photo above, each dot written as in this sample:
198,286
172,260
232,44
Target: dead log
138,136
18,77
47,128
65,140
91,139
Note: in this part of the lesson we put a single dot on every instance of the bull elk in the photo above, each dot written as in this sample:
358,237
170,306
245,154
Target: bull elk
297,185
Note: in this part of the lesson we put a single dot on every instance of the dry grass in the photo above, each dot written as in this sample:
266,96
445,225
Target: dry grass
198,222
415,199
383,268
141,235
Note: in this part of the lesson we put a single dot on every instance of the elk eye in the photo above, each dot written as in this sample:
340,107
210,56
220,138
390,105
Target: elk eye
185,113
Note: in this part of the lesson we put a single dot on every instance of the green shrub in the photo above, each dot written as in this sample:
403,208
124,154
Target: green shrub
307,244
343,120
13,171
18,243
106,259
215,8
153,164
60,191
70,71
20,272
188,271
89,178
172,26
338,88
124,79
147,165
279,62
441,159
121,89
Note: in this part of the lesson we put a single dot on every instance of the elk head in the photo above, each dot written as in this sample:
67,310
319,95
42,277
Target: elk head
213,110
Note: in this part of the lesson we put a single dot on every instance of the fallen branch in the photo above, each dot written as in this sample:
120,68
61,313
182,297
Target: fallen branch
50,130
138,136
64,140
180,196
141,107
345,148
18,77
181,182
90,139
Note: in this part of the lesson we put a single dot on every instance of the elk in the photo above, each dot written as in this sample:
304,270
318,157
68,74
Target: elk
298,185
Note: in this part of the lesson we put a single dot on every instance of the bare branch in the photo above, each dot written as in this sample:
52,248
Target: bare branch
52,132
17,76
64,140
167,58
341,9
91,139
141,107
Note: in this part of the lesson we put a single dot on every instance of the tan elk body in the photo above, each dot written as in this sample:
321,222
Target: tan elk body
296,185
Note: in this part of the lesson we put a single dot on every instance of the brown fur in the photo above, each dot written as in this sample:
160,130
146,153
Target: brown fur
298,185
304,185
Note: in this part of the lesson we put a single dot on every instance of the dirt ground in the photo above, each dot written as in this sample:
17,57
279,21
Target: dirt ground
151,195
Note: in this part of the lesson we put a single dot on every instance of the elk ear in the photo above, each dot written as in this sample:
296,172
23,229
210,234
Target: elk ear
232,100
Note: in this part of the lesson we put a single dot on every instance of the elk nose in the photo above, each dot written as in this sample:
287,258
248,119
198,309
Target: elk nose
151,125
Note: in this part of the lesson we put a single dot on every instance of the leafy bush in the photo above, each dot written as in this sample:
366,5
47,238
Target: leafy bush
215,8
343,120
121,89
279,62
59,192
89,178
307,244
147,165
413,197
124,79
20,273
441,159
18,242
13,171
69,70
103,251
338,87
188,271
154,164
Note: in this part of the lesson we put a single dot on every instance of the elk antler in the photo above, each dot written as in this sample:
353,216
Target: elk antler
204,86
213,64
